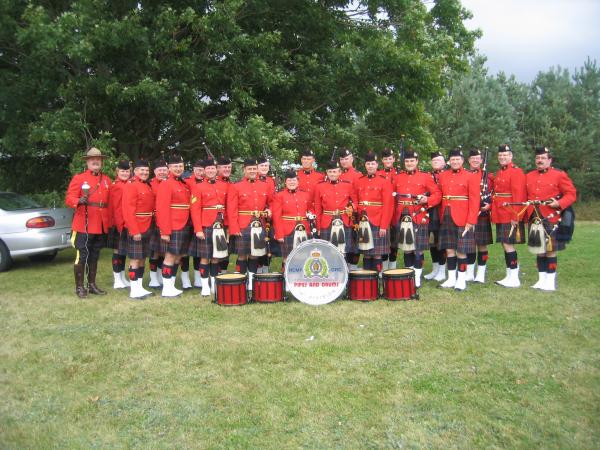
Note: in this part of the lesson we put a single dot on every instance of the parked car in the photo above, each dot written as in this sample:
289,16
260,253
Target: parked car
28,229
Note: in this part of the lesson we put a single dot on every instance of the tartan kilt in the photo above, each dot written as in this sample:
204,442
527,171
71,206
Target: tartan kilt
434,219
202,248
483,230
556,244
288,243
140,249
325,234
117,241
242,243
421,236
503,233
394,237
451,236
155,239
381,245
179,243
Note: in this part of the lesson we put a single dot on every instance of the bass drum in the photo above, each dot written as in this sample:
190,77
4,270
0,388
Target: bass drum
316,272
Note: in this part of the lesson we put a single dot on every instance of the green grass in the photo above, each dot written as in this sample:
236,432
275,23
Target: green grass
486,368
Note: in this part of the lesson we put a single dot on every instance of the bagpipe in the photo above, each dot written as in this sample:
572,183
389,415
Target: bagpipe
484,186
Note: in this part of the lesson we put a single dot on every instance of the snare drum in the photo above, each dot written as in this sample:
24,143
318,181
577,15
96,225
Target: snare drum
363,285
231,289
399,284
267,287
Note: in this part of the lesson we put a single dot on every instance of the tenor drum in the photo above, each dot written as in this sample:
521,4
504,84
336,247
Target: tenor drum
316,272
363,285
399,284
230,289
267,287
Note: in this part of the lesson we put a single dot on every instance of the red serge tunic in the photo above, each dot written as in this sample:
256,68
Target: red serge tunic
115,203
270,182
172,205
331,197
208,200
460,191
388,173
290,208
374,195
138,206
547,184
350,175
415,183
243,199
509,186
98,219
308,180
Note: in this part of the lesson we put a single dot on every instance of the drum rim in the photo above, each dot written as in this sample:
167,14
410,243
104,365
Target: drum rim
399,271
230,276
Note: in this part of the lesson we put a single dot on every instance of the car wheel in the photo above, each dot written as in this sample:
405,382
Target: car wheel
5,259
44,257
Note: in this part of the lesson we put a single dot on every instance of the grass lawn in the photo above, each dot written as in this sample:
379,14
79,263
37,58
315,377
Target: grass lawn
490,367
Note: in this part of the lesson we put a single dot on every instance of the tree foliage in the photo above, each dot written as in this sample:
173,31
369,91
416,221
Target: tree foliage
138,77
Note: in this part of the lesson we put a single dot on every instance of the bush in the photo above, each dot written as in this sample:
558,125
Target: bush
51,199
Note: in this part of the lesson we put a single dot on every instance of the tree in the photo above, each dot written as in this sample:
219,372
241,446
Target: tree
138,77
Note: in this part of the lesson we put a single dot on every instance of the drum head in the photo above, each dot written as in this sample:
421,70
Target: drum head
401,271
363,272
230,276
316,272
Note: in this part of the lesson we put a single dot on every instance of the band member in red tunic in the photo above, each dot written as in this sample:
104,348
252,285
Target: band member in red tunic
248,201
88,194
509,187
290,215
173,220
415,193
196,178
138,212
333,199
308,177
161,173
264,166
349,173
117,239
209,200
483,229
459,210
555,191
438,257
375,205
389,173
224,169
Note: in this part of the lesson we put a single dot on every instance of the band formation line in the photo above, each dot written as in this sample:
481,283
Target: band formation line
207,217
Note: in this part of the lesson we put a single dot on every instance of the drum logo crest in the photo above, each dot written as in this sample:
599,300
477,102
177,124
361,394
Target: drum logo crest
316,265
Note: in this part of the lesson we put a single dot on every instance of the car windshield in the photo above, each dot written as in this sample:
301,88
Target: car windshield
14,202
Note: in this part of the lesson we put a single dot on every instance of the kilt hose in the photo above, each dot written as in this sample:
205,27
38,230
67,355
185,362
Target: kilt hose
140,249
483,230
381,245
451,236
179,242
504,235
556,244
325,234
116,240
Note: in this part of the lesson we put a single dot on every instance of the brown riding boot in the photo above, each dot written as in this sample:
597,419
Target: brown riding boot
92,280
81,291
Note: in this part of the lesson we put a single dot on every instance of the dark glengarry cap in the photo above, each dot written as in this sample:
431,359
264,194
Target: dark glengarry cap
290,174
504,148
249,162
370,156
332,164
436,154
542,150
124,165
456,152
344,151
410,154
223,160
386,152
199,163
209,162
159,162
307,152
175,159
141,163
474,152
262,160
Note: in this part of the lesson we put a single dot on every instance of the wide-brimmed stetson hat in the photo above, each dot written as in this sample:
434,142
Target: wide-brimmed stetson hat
94,153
